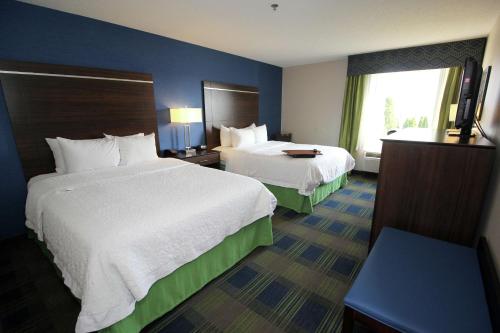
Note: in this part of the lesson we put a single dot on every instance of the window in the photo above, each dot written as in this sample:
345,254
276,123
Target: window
399,100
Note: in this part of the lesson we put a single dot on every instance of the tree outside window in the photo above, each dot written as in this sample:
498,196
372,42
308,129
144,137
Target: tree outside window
399,100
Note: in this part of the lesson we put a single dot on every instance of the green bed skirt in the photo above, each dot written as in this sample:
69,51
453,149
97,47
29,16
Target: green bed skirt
290,198
168,292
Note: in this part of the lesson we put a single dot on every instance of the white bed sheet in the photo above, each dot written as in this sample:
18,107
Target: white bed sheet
38,178
115,232
267,163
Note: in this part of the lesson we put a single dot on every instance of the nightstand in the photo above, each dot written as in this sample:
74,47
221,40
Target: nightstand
208,158
287,137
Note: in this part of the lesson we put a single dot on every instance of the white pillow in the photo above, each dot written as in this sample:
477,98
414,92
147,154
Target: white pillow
242,137
121,139
137,149
260,134
225,135
58,157
83,155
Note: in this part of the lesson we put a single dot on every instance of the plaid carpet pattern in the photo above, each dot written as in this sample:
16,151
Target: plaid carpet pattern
295,285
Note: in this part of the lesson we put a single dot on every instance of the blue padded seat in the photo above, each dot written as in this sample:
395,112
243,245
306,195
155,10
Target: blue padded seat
417,284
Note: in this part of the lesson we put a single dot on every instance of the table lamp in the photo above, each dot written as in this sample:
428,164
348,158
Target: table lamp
186,116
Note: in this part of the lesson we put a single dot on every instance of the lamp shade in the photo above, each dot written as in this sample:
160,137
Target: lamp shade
453,112
186,115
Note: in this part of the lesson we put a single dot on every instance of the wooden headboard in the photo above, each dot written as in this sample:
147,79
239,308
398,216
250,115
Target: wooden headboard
47,101
229,105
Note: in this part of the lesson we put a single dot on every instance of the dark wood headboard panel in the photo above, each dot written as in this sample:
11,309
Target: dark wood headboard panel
229,105
46,101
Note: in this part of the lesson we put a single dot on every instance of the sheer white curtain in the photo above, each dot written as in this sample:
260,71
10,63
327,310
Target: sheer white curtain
398,100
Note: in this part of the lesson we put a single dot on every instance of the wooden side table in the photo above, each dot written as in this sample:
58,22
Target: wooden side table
287,137
209,158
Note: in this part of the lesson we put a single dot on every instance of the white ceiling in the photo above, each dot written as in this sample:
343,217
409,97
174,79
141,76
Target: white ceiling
300,31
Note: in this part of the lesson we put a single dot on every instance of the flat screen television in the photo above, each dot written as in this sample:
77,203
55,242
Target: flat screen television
469,91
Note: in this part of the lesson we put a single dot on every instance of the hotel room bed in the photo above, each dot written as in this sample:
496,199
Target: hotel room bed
134,238
133,242
297,183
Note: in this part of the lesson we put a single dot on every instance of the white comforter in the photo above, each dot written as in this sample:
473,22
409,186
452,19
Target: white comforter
115,232
267,163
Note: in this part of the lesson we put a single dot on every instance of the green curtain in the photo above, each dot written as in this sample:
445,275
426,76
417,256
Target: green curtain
351,112
450,96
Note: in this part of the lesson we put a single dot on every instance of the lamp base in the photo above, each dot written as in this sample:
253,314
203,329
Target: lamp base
456,132
190,152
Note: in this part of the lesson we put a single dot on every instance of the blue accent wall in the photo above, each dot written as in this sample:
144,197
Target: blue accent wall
37,34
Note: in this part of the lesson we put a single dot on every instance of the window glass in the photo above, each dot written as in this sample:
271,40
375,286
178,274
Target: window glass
399,100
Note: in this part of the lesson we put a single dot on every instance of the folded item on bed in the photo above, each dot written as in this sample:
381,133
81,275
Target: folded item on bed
114,232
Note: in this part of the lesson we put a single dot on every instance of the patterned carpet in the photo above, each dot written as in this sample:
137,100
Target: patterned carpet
296,285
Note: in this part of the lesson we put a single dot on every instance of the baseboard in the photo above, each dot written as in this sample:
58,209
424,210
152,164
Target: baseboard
365,173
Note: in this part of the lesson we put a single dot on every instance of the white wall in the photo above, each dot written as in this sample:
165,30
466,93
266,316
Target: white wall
492,58
312,102
491,215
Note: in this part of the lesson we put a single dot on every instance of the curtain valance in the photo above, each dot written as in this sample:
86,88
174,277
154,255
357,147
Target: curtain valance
434,56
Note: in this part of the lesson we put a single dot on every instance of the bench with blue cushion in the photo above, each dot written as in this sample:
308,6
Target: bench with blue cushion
411,283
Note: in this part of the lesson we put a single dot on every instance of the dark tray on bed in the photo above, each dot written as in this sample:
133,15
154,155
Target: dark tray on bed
311,153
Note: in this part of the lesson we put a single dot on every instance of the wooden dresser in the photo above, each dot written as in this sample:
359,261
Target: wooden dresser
432,185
